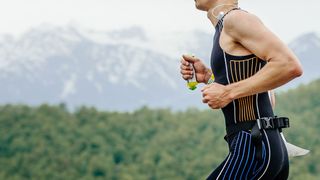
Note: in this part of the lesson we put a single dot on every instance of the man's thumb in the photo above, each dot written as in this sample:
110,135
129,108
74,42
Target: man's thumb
190,58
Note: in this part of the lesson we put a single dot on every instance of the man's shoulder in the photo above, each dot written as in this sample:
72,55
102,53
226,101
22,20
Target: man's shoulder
240,21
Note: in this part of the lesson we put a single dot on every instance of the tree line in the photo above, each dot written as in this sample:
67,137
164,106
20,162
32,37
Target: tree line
51,142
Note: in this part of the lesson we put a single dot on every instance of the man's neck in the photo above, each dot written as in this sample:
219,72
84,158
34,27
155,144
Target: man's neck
213,13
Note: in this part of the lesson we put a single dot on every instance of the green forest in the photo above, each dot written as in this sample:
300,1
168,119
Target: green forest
51,142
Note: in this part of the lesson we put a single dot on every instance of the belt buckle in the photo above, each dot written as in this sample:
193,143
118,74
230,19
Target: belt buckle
265,123
286,122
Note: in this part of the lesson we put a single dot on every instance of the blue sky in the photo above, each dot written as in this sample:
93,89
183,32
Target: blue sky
287,18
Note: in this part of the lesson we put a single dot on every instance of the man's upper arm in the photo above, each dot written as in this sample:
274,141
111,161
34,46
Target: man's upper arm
250,32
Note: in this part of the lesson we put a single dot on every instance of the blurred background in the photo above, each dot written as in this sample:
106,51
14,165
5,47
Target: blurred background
92,90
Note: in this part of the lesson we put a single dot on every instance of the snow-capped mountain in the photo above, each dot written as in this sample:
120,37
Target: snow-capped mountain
117,70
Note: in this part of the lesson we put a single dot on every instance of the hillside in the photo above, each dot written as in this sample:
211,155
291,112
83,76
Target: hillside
302,105
49,142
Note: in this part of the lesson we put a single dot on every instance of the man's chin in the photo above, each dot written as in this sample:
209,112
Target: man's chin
199,7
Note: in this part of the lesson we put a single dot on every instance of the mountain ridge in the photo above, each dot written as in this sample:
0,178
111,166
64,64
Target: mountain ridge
119,70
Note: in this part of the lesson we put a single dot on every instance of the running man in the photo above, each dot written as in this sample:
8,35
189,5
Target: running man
248,60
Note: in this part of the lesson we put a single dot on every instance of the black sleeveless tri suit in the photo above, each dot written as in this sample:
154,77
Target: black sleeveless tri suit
241,162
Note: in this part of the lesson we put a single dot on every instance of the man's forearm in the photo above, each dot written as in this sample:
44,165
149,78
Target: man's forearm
273,75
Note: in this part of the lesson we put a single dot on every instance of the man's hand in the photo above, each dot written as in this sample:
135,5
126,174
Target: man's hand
216,95
202,72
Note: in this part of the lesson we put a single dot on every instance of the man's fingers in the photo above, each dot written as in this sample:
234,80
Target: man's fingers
212,105
205,99
186,77
184,67
204,94
206,87
184,62
190,58
186,72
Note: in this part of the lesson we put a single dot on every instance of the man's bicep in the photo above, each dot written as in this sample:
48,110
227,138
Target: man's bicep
263,43
251,33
